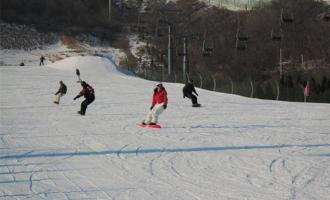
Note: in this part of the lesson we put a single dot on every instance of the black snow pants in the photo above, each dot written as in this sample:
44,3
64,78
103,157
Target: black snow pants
193,98
85,103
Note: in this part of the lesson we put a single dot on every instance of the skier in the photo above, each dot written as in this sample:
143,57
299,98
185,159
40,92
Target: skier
188,91
42,59
88,93
61,92
159,104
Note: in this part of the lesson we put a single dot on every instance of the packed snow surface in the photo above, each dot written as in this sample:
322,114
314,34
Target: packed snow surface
232,148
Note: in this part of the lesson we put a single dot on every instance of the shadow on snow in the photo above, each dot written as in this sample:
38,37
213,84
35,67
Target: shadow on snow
137,151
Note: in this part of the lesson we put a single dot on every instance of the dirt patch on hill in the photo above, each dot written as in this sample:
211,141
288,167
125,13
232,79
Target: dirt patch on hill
69,41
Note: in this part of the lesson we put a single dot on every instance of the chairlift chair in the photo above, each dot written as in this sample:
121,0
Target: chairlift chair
286,17
206,53
243,37
128,6
240,35
326,17
143,27
276,36
210,49
147,9
241,45
206,50
143,12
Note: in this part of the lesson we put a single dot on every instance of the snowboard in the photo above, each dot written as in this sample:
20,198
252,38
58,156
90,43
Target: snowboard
150,126
196,105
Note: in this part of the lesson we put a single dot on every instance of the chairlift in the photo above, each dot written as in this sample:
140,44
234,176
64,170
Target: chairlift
241,45
129,6
242,37
143,26
206,53
326,17
118,2
276,36
206,50
147,9
286,17
160,34
143,12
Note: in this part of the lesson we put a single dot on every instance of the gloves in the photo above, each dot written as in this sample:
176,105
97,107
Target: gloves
165,106
75,98
151,107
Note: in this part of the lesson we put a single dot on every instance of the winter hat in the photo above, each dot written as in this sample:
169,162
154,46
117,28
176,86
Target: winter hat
160,84
84,84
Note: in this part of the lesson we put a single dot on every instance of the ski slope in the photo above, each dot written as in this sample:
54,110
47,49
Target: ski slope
232,148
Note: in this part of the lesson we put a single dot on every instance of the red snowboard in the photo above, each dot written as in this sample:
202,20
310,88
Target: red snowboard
150,126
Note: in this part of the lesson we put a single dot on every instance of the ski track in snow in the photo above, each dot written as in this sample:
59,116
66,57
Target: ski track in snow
231,148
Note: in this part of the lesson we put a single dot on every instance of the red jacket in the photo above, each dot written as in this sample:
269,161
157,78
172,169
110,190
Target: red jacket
87,92
159,97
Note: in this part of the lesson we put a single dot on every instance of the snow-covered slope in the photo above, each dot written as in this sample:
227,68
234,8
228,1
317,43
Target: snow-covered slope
231,148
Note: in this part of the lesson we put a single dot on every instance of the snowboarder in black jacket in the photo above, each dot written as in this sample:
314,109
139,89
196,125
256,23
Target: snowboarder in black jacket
61,92
188,91
88,93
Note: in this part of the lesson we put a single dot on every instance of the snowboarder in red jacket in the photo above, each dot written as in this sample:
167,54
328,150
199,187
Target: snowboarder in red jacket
88,93
159,104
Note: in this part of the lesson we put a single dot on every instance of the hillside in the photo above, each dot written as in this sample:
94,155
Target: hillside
269,51
231,148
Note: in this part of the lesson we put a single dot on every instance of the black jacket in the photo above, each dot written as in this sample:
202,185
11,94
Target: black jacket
188,89
62,89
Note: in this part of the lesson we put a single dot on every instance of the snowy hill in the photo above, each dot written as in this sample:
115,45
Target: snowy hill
232,148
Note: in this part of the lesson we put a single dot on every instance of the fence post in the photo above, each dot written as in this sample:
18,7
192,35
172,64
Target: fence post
188,78
214,82
232,85
201,81
278,91
127,62
251,83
